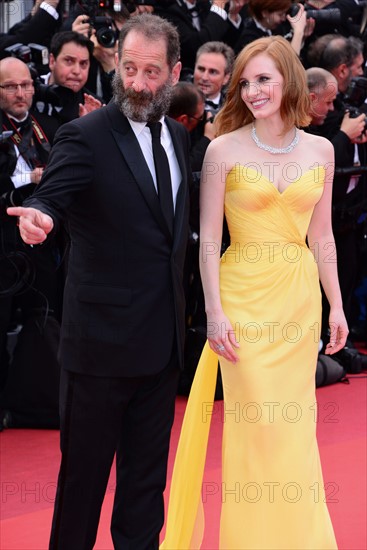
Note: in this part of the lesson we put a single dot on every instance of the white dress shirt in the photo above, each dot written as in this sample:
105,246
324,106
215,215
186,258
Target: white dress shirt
143,135
22,173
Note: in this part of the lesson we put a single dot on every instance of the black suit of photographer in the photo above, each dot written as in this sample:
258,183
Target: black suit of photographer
213,27
64,104
38,28
346,207
25,272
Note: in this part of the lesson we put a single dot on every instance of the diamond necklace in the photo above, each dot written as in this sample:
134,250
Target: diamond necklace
275,150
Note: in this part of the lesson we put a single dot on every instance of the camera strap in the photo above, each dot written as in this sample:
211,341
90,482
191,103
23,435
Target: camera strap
25,140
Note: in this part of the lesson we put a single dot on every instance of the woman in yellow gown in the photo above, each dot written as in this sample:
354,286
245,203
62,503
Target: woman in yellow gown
274,183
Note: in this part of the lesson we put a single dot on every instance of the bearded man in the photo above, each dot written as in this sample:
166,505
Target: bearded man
124,199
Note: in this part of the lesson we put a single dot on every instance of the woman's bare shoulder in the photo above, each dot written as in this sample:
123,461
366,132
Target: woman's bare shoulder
317,143
229,143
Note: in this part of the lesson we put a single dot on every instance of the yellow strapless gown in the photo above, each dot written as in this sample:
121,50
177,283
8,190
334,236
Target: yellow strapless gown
272,487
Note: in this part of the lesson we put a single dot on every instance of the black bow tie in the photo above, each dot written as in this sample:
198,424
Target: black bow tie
24,125
194,11
211,104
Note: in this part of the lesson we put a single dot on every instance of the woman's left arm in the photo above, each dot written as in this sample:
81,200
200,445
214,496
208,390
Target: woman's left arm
321,242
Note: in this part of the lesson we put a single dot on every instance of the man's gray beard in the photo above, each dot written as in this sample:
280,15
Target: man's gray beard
142,106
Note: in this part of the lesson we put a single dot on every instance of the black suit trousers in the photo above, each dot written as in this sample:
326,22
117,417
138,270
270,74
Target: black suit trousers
131,417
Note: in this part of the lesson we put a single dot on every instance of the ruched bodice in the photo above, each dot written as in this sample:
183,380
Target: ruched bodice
257,212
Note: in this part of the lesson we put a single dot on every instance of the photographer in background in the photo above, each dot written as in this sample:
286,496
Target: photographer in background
39,26
267,17
345,127
323,89
200,21
70,54
188,108
334,17
28,277
102,27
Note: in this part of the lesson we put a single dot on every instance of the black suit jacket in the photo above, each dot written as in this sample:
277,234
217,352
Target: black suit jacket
123,302
344,148
213,27
250,32
38,28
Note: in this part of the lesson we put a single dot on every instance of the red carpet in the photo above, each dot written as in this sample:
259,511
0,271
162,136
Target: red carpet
29,462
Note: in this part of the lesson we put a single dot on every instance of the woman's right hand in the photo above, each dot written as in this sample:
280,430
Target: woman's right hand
221,336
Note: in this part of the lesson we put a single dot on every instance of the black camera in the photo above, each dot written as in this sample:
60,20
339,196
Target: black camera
332,15
46,93
36,58
350,359
106,31
356,93
132,5
34,55
355,97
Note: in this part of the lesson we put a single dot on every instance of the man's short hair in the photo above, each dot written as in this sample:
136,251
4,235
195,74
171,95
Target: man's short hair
340,50
153,28
185,99
216,46
318,79
64,37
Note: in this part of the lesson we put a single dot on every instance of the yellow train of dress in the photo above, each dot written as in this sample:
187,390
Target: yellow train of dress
273,494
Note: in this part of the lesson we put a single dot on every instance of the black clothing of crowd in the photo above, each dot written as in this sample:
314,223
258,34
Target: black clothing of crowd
197,22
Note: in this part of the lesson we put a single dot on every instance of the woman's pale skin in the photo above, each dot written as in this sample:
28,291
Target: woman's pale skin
261,89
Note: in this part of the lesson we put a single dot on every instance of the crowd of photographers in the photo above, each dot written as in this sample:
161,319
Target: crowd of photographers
57,65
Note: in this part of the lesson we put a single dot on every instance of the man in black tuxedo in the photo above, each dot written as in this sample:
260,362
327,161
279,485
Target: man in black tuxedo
123,318
213,68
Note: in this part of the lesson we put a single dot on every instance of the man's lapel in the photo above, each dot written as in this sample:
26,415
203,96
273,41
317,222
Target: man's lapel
134,158
182,190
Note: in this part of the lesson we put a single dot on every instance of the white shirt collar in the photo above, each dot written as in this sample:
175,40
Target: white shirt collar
190,5
138,127
259,26
215,99
17,119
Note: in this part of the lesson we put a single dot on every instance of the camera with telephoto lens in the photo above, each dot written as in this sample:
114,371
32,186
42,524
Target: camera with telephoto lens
106,31
106,34
331,15
350,359
355,98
